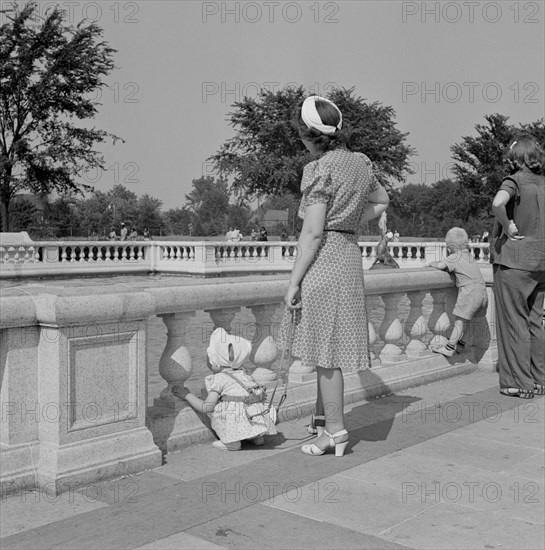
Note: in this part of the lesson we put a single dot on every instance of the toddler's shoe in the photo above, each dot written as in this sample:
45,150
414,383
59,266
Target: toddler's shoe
258,440
446,350
233,446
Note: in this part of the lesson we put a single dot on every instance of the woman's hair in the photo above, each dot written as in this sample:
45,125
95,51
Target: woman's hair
525,151
330,117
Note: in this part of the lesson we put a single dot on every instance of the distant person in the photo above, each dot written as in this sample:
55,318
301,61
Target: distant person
263,236
396,236
124,232
236,235
133,235
472,298
485,237
147,236
389,235
112,235
284,235
229,235
253,235
236,403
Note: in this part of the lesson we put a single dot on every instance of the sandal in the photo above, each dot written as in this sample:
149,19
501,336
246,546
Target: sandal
539,389
339,448
517,392
317,425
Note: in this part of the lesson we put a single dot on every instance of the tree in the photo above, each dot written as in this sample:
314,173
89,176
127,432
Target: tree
179,221
149,215
480,165
24,215
49,71
266,156
209,202
62,213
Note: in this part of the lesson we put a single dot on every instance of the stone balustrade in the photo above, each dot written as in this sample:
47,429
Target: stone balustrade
21,257
73,364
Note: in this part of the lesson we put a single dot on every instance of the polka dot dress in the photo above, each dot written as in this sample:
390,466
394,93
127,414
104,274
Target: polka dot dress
331,328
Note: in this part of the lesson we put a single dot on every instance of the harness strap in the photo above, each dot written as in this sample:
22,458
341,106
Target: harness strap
246,399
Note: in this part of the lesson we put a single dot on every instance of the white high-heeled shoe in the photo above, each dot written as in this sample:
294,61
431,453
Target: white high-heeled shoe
312,449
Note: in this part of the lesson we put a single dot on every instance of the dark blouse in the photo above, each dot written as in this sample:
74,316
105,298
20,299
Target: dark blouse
527,209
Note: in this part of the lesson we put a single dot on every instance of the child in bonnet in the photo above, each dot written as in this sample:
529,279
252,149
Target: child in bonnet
236,403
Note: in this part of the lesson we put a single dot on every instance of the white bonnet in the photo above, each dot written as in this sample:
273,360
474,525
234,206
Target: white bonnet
218,349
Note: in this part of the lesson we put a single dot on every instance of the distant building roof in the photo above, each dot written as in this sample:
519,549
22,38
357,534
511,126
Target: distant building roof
276,215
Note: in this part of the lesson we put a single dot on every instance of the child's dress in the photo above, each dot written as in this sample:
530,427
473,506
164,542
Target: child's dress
230,419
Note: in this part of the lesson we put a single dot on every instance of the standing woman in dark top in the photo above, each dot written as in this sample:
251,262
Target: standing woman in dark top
519,271
326,286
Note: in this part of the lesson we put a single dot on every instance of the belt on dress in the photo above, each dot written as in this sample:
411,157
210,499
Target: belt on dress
347,231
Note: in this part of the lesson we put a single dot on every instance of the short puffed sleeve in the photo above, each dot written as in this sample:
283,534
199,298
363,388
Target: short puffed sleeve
215,383
316,183
374,183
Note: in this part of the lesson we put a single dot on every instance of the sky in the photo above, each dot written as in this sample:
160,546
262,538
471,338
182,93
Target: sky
181,65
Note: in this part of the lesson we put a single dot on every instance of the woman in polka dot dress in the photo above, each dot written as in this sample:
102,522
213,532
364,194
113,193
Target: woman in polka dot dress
326,283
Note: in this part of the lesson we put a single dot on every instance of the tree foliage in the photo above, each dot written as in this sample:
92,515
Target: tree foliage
480,165
266,157
49,70
209,202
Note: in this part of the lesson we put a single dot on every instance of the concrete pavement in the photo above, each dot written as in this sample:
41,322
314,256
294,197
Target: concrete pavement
452,464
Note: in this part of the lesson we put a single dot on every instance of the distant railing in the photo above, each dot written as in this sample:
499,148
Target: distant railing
21,257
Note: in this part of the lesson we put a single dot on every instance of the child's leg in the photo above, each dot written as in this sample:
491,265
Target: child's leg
456,338
455,343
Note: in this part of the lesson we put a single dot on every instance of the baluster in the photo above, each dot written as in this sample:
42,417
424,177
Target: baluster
175,364
191,250
222,318
372,341
27,256
264,349
415,325
124,254
391,330
132,256
63,254
486,253
4,254
439,322
141,253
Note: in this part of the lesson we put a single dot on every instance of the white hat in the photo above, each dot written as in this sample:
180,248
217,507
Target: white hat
312,119
218,350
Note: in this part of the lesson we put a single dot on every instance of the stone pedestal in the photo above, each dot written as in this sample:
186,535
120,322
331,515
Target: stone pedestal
95,373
